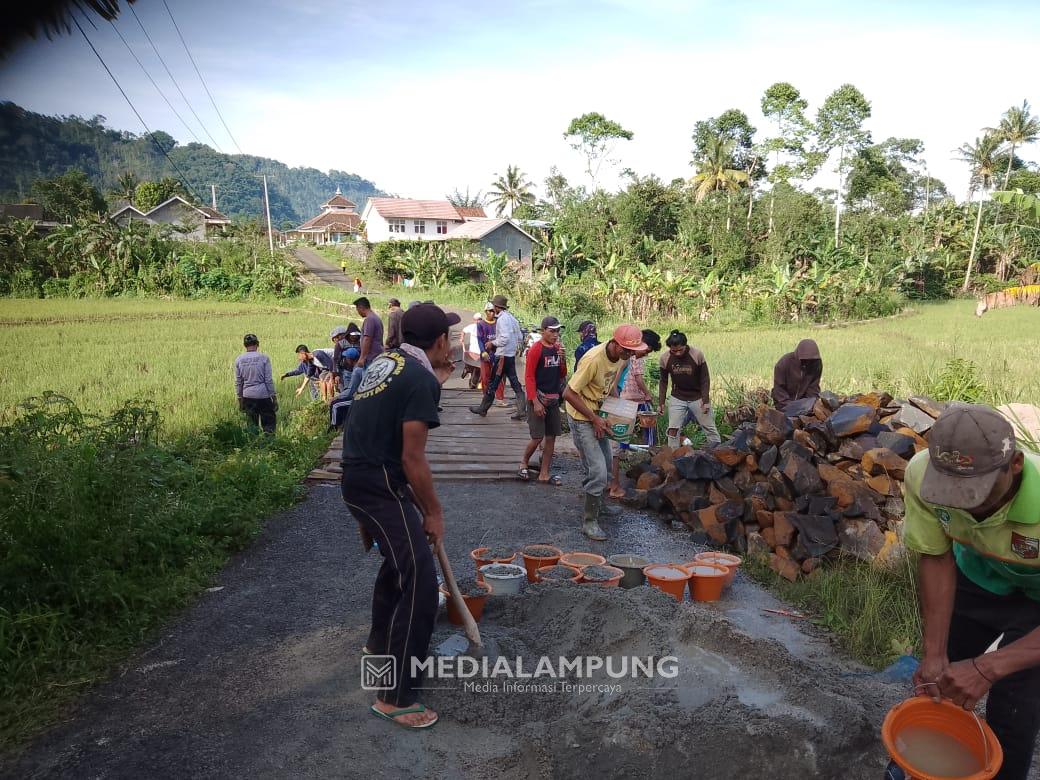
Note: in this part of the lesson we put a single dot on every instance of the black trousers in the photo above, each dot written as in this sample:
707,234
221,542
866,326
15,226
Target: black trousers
260,411
1013,706
508,372
404,599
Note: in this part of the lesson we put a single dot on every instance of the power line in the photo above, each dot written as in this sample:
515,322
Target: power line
199,73
157,89
175,83
111,75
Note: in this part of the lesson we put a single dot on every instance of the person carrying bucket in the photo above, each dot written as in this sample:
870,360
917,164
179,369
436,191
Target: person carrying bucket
973,514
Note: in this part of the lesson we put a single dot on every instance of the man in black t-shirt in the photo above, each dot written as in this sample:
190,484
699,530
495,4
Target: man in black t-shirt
388,488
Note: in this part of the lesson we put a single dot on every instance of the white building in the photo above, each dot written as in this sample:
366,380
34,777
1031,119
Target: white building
196,222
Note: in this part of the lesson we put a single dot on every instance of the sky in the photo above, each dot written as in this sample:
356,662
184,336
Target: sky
425,98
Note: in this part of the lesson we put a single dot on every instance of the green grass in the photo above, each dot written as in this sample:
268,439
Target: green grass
177,354
872,610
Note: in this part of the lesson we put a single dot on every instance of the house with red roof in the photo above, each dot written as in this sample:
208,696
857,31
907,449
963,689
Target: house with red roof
404,219
338,222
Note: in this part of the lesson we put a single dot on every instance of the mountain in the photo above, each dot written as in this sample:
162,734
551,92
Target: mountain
34,146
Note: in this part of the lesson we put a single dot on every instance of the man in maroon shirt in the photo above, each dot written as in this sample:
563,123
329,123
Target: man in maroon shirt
544,373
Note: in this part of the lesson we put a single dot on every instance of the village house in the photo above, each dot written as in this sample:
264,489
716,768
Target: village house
337,222
195,222
391,219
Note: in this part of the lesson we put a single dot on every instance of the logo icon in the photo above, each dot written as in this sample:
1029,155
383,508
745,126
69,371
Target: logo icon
378,673
944,518
1025,547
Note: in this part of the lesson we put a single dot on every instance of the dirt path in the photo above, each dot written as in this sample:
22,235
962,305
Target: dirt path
322,269
261,677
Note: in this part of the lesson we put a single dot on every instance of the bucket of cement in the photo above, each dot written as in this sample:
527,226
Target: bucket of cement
505,579
669,577
632,566
930,739
731,562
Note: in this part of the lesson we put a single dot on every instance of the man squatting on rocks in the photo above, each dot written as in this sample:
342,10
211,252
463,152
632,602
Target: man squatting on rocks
388,487
254,385
508,336
797,374
592,382
973,512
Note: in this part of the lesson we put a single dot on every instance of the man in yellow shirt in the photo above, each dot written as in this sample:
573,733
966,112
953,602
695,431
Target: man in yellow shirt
973,513
593,381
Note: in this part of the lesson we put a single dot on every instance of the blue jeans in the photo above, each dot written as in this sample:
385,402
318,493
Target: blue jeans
596,458
355,379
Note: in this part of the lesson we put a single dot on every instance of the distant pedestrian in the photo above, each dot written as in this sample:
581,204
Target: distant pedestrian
587,332
508,335
357,284
389,489
544,376
471,350
254,385
584,394
371,341
394,337
486,334
797,374
687,369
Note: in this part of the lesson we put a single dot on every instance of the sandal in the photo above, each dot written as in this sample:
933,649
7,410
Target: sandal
554,480
406,711
524,474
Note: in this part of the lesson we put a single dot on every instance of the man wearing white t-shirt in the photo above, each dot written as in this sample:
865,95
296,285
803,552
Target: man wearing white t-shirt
471,350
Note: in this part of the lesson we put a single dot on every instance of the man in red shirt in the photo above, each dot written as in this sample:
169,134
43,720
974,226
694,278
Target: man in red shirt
543,379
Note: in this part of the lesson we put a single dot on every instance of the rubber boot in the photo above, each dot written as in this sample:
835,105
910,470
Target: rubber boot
590,525
521,408
483,406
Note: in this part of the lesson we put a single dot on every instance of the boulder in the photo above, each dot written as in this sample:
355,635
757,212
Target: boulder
742,481
637,470
780,485
831,400
769,536
654,499
816,535
680,494
902,445
663,456
909,416
851,419
764,519
821,505
884,485
851,450
757,547
803,406
927,405
848,491
772,426
809,565
803,475
728,455
873,400
783,528
861,538
700,465
830,473
648,480
785,567
882,460
635,499
768,459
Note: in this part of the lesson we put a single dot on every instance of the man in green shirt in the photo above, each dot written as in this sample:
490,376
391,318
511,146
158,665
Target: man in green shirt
973,513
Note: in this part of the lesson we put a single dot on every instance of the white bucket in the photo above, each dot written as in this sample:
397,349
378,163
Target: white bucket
620,416
504,584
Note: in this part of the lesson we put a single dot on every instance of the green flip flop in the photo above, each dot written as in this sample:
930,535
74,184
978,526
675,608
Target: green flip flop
406,711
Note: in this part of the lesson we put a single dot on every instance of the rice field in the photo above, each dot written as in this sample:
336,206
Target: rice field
179,354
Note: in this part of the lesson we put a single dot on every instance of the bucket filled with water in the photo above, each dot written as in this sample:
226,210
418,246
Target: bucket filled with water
940,741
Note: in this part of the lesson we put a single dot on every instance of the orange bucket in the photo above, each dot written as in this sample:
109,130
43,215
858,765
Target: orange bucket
479,557
611,583
475,604
950,721
534,562
582,559
669,577
731,562
706,580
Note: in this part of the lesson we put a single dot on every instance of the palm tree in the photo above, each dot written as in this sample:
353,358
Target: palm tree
715,172
126,187
982,157
512,190
1018,127
465,200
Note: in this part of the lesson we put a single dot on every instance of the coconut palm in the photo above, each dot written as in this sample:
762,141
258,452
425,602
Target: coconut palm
510,191
714,170
1018,127
982,157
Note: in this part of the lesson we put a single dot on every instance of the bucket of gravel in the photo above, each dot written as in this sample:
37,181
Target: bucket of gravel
505,579
632,566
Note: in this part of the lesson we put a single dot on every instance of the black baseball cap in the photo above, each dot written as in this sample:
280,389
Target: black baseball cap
551,323
968,447
425,322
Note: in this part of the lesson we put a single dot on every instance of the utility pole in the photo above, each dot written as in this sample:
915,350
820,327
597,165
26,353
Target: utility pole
213,195
267,208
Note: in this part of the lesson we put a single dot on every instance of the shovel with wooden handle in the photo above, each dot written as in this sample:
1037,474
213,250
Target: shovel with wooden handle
469,625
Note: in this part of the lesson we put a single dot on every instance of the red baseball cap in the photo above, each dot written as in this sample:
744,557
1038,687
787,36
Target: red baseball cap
629,337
